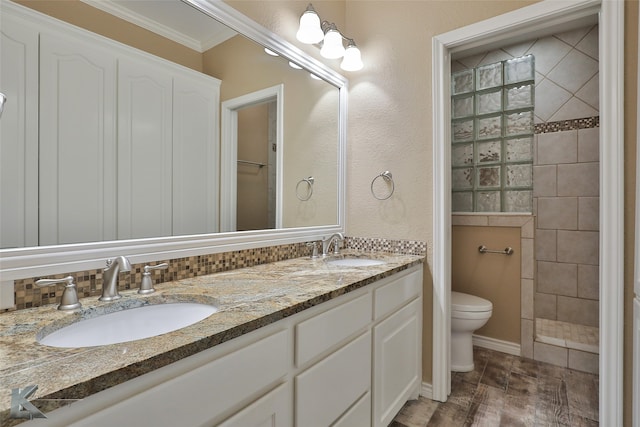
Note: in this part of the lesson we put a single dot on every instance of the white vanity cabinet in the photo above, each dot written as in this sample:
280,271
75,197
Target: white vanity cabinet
351,361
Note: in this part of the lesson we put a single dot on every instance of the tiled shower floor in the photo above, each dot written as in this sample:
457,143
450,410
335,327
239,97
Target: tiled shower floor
569,335
506,390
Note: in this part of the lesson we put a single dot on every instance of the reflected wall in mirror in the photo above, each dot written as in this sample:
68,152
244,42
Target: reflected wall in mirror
136,152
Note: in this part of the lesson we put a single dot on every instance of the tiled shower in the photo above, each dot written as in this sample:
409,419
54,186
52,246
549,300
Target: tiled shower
565,191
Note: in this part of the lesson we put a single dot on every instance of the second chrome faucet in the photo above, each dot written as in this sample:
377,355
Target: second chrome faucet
110,277
335,238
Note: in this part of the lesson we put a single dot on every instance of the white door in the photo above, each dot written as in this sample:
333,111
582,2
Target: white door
144,150
18,134
77,142
195,154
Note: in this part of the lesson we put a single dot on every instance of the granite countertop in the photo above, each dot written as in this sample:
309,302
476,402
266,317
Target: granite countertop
247,298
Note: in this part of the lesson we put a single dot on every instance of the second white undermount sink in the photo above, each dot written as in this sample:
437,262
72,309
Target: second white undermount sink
129,325
354,262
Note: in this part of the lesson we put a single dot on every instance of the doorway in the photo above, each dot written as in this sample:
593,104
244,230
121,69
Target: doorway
526,23
251,164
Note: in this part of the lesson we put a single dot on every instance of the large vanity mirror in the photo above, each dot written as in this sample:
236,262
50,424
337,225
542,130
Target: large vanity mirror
204,142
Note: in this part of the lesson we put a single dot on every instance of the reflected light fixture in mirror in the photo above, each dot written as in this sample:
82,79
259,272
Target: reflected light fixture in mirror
312,31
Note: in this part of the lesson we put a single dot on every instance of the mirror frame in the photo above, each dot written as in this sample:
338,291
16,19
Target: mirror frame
29,262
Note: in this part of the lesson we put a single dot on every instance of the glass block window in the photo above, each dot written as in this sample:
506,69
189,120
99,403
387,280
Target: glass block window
492,137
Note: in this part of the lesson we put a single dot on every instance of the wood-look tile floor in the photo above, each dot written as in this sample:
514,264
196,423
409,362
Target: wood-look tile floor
506,390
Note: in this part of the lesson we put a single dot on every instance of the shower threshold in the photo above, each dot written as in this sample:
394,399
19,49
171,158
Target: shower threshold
568,335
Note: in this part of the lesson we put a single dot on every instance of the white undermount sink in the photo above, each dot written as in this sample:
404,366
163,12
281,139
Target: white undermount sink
354,262
129,325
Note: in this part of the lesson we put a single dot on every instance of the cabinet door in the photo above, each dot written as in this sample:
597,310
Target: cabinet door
195,154
358,415
396,361
18,134
330,387
272,410
144,149
77,141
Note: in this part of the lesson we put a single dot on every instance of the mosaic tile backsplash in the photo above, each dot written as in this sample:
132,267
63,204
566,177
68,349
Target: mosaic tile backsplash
89,283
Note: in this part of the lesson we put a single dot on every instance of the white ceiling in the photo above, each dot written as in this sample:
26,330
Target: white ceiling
172,19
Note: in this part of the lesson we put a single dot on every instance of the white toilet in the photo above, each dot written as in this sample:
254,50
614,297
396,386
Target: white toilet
468,313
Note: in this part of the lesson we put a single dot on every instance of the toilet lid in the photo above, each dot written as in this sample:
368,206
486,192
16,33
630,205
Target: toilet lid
466,302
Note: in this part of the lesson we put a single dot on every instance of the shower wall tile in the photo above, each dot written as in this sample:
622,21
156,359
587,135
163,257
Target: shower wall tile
548,52
574,70
558,278
545,306
589,93
546,249
527,264
589,44
584,361
550,354
589,213
526,330
588,282
579,179
558,213
578,310
580,247
549,98
461,219
545,181
572,109
519,49
558,147
573,37
589,145
527,292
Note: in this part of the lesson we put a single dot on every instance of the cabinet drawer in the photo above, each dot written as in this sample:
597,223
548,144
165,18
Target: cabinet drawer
358,415
271,410
202,395
397,293
328,329
326,390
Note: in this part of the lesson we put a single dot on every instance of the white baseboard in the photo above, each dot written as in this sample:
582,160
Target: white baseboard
426,390
497,345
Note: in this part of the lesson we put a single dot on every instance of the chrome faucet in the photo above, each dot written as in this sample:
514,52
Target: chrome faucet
110,277
335,238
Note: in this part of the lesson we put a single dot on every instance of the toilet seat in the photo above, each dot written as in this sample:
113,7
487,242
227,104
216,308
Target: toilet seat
461,302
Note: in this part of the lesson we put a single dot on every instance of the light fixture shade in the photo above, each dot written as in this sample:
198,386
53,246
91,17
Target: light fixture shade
352,60
332,47
309,31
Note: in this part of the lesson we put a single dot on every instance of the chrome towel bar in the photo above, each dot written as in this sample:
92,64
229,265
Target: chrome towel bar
506,251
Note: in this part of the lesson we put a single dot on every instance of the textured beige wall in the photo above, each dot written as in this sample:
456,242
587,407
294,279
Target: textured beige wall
310,140
491,276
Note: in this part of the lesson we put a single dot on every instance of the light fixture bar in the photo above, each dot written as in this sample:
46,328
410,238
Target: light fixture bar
313,30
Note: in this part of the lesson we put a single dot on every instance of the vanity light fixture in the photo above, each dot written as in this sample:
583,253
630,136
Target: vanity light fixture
313,31
270,52
332,47
294,65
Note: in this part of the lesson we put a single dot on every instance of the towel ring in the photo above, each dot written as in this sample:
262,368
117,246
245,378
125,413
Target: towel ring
309,192
388,178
